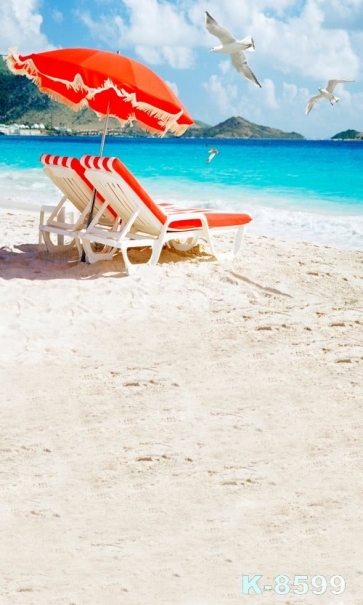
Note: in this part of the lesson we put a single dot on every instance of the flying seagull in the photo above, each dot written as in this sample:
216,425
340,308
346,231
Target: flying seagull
325,93
212,154
232,47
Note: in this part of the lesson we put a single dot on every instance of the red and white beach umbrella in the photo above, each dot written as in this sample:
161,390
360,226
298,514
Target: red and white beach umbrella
109,83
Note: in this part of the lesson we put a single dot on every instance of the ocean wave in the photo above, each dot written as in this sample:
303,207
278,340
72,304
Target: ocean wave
27,187
329,229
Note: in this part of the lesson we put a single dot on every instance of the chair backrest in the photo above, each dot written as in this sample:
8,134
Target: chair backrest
68,175
124,193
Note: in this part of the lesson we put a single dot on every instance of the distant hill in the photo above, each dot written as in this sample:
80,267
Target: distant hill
239,128
349,135
22,103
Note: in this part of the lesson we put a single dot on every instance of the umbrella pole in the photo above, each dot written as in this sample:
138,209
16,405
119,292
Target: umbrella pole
104,131
90,215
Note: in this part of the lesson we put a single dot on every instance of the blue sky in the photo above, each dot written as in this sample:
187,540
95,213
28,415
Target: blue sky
300,44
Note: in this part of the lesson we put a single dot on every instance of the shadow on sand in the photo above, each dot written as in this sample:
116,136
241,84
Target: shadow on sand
33,262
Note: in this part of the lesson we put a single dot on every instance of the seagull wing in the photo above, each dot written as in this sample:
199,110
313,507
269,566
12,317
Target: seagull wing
311,102
332,84
240,63
212,154
217,30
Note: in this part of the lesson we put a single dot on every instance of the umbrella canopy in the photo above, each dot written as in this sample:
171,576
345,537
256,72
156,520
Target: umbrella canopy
109,83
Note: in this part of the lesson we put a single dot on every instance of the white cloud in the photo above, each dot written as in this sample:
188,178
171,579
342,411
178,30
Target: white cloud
342,13
176,57
20,26
153,56
57,16
158,24
269,94
173,87
225,66
157,32
103,29
292,37
220,94
357,102
290,92
302,47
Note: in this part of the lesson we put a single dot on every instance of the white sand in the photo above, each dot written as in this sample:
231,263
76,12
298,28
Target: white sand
164,434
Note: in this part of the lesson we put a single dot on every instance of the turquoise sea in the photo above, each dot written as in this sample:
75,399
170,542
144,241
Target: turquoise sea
305,190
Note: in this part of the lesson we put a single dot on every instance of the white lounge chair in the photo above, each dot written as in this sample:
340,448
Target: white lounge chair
68,175
145,223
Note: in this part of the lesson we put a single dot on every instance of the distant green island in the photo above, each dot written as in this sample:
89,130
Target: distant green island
349,135
22,104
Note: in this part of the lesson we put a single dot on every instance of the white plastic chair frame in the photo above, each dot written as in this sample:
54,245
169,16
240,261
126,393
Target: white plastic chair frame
80,196
141,228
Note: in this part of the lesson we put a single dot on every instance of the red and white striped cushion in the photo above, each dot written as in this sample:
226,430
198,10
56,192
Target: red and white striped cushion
73,163
60,160
115,166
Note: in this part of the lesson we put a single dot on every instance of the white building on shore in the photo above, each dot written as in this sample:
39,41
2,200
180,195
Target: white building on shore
22,129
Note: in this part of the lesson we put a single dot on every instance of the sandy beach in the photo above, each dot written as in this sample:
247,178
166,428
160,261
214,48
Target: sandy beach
166,433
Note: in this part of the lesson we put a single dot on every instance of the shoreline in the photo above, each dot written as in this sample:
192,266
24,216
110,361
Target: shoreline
21,207
285,224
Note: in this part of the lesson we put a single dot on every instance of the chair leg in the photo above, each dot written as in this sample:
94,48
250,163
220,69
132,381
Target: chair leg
94,257
184,246
156,246
130,267
238,240
41,221
208,238
156,251
79,246
56,247
41,239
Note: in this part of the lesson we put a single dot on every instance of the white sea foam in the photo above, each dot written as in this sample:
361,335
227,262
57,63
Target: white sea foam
330,230
27,187
323,228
